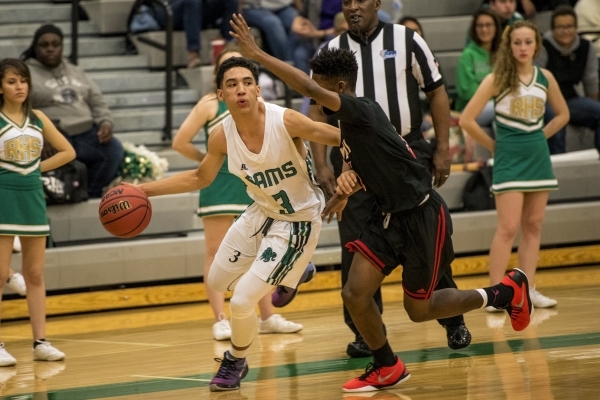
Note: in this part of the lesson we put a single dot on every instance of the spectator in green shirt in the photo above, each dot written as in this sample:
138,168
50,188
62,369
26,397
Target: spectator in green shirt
476,61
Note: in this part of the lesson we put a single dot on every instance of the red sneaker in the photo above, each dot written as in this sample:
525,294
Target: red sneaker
378,378
520,308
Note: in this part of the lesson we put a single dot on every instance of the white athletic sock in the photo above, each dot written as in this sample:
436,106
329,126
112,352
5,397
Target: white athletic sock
484,295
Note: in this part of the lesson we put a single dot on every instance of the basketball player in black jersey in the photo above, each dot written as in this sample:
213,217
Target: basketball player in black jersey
409,225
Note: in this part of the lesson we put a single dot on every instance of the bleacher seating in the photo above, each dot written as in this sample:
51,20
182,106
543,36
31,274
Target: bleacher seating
72,223
110,16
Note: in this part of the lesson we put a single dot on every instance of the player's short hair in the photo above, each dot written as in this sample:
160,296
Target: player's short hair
561,11
339,64
234,62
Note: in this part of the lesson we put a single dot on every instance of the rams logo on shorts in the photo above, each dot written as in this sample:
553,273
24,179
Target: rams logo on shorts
268,255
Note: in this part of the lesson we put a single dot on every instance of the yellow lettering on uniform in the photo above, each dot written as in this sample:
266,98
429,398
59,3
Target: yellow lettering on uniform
23,148
516,107
527,107
540,107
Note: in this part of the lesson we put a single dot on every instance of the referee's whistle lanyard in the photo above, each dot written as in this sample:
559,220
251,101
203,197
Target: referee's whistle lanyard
386,219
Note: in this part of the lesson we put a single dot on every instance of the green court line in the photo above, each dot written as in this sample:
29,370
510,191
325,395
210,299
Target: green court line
316,367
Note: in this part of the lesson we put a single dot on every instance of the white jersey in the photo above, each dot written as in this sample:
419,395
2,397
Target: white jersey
278,179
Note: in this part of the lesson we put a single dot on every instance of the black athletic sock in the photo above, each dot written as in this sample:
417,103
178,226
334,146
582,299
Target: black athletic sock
384,356
499,295
39,341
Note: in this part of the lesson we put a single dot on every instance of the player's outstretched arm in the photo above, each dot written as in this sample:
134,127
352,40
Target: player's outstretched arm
299,125
297,79
199,178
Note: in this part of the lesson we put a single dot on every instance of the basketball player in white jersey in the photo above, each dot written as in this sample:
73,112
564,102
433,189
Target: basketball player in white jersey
273,240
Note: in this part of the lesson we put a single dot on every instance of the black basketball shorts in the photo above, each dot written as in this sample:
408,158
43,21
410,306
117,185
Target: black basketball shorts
419,240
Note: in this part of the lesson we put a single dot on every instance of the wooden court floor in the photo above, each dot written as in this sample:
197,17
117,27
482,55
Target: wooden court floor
167,352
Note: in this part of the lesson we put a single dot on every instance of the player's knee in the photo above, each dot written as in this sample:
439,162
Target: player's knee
350,297
241,308
219,280
415,313
33,278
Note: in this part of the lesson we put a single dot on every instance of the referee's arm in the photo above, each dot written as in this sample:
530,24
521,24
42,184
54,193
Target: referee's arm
440,113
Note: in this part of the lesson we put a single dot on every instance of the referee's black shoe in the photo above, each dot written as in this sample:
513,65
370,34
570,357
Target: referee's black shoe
458,336
358,348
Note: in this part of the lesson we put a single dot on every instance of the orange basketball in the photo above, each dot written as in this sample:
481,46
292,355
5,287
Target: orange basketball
125,211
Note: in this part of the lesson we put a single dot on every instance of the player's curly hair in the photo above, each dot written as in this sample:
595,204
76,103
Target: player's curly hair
234,62
506,75
338,64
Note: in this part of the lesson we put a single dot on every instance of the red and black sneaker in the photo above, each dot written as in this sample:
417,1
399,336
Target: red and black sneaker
378,378
520,308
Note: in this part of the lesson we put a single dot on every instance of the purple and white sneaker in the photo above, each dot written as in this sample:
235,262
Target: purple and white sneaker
230,373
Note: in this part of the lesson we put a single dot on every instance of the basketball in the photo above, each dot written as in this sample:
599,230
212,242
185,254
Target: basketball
125,211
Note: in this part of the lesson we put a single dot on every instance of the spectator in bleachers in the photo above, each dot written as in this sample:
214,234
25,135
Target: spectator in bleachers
287,35
323,13
573,61
476,62
412,23
220,204
23,208
531,7
588,17
522,174
506,10
194,15
75,104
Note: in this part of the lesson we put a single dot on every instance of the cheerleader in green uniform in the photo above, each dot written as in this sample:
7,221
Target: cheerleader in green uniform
522,174
220,203
22,204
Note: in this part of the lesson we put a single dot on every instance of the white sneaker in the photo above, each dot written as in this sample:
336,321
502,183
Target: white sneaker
492,309
16,283
222,329
46,352
539,300
6,360
277,324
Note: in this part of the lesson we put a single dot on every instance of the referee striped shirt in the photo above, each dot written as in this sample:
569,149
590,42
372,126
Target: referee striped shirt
393,64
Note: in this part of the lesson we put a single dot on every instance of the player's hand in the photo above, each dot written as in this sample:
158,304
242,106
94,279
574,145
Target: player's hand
326,180
346,182
241,33
334,206
441,168
105,132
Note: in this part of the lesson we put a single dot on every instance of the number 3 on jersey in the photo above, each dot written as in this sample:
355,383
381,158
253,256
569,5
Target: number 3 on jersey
285,202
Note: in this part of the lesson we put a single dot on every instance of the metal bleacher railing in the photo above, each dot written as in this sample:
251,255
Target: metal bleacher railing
167,48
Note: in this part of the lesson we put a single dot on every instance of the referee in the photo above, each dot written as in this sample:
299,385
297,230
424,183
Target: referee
394,63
